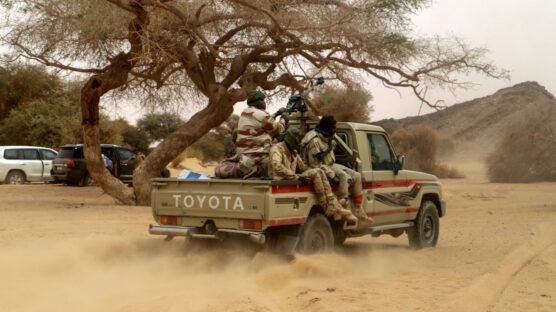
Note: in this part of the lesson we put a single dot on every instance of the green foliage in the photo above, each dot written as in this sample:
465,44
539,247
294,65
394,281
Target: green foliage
210,147
38,108
22,83
345,104
159,126
133,137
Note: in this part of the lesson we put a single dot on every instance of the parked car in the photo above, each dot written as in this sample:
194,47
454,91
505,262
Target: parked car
20,164
70,167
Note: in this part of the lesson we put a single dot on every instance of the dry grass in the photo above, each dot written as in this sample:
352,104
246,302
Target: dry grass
421,145
527,151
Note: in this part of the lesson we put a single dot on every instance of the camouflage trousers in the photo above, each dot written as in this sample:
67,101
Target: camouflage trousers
320,184
345,174
248,162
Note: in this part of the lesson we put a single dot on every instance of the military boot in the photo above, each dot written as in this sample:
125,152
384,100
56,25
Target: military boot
361,215
334,208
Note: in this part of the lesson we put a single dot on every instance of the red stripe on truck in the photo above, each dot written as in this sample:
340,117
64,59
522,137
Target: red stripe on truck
394,183
389,212
280,189
287,221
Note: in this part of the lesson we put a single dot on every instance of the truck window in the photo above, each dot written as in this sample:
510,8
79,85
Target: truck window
338,151
11,154
71,152
30,154
47,154
124,154
382,157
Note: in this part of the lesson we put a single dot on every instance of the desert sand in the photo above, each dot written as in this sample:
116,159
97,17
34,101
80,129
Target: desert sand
73,249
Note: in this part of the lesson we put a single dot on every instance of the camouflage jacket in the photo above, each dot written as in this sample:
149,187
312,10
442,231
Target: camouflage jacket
284,165
313,143
255,130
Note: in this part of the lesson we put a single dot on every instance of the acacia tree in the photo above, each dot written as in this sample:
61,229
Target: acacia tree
218,50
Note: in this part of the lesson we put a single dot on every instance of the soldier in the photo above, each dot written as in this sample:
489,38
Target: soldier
318,152
254,134
137,157
285,164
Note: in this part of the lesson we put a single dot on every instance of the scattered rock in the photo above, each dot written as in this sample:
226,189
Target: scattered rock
331,289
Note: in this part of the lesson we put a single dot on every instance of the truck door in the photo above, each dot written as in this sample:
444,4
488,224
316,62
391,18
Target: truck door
47,156
383,190
33,164
125,170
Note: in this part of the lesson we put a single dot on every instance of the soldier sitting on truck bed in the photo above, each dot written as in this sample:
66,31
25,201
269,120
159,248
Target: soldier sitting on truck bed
254,134
285,164
318,152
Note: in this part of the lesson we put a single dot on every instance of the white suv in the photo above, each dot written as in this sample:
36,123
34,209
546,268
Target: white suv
19,164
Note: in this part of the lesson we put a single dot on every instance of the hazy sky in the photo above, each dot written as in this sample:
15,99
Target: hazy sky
521,37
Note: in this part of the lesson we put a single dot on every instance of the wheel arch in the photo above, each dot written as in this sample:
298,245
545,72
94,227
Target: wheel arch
435,199
316,209
16,170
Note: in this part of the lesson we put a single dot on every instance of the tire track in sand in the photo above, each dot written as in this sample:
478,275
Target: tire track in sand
485,290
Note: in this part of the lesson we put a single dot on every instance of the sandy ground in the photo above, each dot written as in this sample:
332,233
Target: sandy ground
68,248
193,164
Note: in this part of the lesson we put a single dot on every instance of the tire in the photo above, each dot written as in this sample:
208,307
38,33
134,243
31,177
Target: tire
15,177
87,181
425,232
316,236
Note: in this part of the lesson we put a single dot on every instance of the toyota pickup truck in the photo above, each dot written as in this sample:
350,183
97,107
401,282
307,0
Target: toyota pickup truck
286,216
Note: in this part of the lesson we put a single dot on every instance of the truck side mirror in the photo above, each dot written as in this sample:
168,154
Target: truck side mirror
399,163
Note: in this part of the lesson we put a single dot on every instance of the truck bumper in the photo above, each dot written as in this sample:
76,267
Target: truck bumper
442,208
171,231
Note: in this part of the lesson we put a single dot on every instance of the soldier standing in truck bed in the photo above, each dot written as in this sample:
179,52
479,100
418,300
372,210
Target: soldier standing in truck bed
254,134
318,152
286,164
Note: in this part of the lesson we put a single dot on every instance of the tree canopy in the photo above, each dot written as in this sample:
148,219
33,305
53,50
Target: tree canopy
215,51
159,126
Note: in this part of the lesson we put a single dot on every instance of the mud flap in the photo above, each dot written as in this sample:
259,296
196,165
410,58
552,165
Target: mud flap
285,241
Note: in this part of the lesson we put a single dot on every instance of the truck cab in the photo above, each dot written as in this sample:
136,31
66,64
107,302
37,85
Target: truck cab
285,215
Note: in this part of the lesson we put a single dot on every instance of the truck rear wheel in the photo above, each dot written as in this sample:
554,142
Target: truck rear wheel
316,236
15,177
87,180
425,232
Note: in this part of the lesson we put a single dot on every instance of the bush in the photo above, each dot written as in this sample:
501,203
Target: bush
527,152
345,104
421,144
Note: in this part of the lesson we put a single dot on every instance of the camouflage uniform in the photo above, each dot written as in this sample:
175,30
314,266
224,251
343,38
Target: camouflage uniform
285,165
254,134
315,142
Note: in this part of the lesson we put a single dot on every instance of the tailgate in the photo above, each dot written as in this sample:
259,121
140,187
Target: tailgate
210,199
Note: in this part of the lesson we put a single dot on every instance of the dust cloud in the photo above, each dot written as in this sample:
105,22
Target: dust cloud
67,249
107,273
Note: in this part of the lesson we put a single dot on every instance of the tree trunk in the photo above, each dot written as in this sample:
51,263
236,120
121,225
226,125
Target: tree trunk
95,87
211,116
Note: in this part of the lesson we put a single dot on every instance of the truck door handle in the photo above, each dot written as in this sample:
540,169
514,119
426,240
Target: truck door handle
23,164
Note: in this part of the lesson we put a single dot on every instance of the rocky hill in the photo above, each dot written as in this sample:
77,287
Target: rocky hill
479,124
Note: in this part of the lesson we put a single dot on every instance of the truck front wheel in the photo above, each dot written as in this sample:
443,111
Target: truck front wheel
316,236
425,232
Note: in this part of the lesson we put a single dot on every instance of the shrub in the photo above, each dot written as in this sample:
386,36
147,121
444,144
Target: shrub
527,152
421,144
345,104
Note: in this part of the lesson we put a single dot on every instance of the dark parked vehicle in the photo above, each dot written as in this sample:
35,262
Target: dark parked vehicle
70,167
